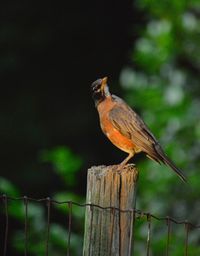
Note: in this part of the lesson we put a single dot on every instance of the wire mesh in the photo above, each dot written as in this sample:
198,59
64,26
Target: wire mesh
148,234
69,227
168,234
26,225
6,224
134,214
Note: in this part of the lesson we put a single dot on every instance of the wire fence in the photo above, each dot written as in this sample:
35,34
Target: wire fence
135,215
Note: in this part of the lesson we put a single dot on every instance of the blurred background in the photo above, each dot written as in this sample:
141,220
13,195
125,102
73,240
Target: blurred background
49,131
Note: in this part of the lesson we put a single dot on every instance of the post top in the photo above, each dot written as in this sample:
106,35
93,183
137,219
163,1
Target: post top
103,170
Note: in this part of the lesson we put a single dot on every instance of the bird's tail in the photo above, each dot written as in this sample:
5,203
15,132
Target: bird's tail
167,161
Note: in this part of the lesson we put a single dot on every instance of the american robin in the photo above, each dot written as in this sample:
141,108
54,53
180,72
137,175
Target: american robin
125,129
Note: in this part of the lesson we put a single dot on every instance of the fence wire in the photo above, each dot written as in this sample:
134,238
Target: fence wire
134,216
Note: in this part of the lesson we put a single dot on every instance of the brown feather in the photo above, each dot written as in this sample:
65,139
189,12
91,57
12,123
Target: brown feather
128,123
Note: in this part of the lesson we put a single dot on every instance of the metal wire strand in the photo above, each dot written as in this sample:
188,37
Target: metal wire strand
148,234
139,213
135,214
186,237
168,234
69,227
48,201
25,225
5,200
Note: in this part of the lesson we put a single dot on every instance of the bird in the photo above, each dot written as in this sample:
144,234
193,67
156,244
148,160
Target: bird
125,128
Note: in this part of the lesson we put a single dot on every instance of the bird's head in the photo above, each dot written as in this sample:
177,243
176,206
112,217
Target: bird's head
100,90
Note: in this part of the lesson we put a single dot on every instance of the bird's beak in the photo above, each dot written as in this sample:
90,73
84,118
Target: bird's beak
103,83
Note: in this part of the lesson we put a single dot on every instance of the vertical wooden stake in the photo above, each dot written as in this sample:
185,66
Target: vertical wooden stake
108,231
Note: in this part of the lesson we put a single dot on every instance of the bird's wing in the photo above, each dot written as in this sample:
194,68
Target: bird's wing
128,123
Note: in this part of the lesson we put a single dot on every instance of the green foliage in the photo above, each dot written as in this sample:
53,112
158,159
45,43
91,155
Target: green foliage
67,196
6,187
57,243
15,209
156,46
64,162
164,90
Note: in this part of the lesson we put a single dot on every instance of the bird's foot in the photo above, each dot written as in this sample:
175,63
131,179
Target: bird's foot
121,167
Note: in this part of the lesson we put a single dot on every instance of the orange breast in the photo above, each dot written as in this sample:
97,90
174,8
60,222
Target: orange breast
119,140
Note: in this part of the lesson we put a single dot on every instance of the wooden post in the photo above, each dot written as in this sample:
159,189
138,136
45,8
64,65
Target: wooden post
108,232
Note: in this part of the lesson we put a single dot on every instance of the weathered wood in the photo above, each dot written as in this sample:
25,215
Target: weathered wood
108,231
